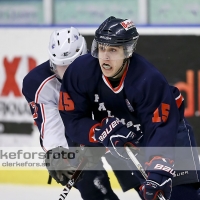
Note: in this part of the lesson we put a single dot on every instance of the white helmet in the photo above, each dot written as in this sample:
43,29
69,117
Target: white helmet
65,46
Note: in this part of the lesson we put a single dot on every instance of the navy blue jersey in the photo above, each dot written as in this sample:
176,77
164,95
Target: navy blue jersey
143,101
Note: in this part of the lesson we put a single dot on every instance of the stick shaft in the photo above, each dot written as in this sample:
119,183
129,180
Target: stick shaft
73,179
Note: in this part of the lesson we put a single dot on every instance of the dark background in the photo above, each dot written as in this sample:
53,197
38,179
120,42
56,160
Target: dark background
173,56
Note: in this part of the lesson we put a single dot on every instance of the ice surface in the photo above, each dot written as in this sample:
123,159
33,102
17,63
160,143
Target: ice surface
30,192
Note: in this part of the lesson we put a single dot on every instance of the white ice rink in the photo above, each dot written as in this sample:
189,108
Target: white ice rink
24,192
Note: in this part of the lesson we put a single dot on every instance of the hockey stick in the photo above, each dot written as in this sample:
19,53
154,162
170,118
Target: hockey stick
73,179
140,168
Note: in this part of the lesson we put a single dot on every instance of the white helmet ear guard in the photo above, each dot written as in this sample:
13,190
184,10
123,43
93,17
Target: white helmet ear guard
65,46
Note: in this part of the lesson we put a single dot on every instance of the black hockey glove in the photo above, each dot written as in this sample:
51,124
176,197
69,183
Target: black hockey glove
56,161
114,135
61,163
159,179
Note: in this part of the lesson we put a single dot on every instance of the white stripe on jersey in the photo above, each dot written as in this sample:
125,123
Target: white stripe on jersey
52,128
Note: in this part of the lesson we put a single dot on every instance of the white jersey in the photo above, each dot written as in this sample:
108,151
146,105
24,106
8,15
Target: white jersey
41,89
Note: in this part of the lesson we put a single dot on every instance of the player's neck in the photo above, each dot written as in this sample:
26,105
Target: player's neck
114,81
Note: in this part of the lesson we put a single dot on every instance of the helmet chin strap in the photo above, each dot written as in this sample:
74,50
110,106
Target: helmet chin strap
120,69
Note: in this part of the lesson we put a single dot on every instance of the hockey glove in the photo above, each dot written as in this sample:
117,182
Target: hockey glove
114,135
159,179
58,166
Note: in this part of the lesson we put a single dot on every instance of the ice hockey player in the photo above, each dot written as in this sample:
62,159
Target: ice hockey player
132,104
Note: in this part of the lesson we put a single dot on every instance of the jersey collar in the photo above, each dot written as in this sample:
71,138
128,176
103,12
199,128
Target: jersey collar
121,84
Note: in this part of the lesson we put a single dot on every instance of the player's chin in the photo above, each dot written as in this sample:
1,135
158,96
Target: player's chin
107,72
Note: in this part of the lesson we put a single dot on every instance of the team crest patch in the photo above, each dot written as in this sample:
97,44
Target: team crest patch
131,109
127,24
